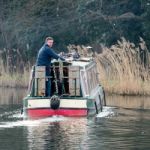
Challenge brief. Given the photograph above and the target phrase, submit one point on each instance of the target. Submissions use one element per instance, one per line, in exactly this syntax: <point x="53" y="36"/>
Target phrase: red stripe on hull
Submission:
<point x="40" y="113"/>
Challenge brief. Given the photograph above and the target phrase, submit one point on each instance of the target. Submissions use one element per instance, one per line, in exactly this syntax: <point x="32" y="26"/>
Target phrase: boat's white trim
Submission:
<point x="37" y="103"/>
<point x="64" y="103"/>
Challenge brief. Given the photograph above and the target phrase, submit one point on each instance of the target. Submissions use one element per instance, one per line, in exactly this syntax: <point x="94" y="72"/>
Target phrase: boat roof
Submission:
<point x="81" y="62"/>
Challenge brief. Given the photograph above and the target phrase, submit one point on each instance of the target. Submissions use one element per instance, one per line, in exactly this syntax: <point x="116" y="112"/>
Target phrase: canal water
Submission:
<point x="115" y="128"/>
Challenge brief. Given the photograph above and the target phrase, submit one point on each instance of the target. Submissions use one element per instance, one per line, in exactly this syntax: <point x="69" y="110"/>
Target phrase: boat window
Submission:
<point x="84" y="83"/>
<point x="88" y="79"/>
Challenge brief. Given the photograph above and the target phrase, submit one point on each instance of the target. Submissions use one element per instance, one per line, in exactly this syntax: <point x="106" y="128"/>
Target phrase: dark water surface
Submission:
<point x="114" y="128"/>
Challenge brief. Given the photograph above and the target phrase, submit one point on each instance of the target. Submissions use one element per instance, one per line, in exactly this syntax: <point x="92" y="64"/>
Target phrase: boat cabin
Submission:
<point x="75" y="78"/>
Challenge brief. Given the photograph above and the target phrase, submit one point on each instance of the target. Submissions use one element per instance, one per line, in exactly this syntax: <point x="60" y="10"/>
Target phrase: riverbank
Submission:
<point x="128" y="102"/>
<point x="18" y="79"/>
<point x="127" y="87"/>
<point x="14" y="81"/>
<point x="14" y="68"/>
<point x="124" y="69"/>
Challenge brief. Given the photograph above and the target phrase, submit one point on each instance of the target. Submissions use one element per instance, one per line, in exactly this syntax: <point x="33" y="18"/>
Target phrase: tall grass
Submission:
<point x="14" y="70"/>
<point x="123" y="68"/>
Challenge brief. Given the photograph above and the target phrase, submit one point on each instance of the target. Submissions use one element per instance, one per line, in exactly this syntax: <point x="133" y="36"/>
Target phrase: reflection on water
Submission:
<point x="11" y="96"/>
<point x="66" y="134"/>
<point x="138" y="102"/>
<point x="114" y="128"/>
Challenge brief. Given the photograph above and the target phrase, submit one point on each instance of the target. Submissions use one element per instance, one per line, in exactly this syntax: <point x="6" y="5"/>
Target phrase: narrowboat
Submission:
<point x="75" y="90"/>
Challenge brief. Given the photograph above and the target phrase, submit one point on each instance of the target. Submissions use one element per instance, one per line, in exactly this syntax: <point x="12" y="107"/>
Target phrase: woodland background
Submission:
<point x="118" y="31"/>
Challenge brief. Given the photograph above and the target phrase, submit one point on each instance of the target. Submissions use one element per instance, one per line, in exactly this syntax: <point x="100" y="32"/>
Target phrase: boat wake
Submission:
<point x="107" y="112"/>
<point x="16" y="120"/>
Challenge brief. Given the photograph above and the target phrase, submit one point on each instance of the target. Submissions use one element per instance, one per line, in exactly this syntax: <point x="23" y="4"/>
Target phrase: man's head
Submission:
<point x="49" y="41"/>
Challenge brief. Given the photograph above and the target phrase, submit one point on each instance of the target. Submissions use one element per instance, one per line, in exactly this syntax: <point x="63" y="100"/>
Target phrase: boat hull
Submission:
<point x="41" y="107"/>
<point x="41" y="113"/>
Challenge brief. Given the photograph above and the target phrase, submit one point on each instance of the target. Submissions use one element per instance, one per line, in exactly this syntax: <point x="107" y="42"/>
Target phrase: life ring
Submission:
<point x="55" y="102"/>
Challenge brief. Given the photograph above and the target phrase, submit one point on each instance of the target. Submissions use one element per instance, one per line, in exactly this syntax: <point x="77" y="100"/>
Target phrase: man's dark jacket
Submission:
<point x="45" y="55"/>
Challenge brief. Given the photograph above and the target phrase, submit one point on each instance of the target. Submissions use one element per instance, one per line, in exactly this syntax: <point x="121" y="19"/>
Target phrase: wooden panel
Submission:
<point x="73" y="93"/>
<point x="41" y="87"/>
<point x="74" y="81"/>
<point x="40" y="72"/>
<point x="40" y="84"/>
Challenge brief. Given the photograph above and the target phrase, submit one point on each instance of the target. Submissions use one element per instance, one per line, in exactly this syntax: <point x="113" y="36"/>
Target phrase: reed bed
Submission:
<point x="16" y="80"/>
<point x="123" y="68"/>
<point x="14" y="70"/>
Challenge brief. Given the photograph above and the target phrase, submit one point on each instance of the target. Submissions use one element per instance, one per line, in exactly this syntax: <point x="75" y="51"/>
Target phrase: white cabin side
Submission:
<point x="88" y="77"/>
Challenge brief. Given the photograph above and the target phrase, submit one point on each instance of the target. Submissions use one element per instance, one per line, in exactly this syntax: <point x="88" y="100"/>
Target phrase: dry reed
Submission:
<point x="13" y="72"/>
<point x="123" y="68"/>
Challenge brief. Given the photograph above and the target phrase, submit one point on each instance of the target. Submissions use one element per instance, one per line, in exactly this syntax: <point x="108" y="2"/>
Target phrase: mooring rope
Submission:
<point x="61" y="71"/>
<point x="61" y="76"/>
<point x="55" y="77"/>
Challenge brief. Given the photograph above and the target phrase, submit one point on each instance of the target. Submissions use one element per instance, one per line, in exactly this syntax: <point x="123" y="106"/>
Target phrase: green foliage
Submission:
<point x="25" y="24"/>
<point x="146" y="22"/>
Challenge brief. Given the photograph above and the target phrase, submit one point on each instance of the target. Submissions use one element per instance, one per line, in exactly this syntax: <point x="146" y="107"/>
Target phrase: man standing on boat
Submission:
<point x="45" y="54"/>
